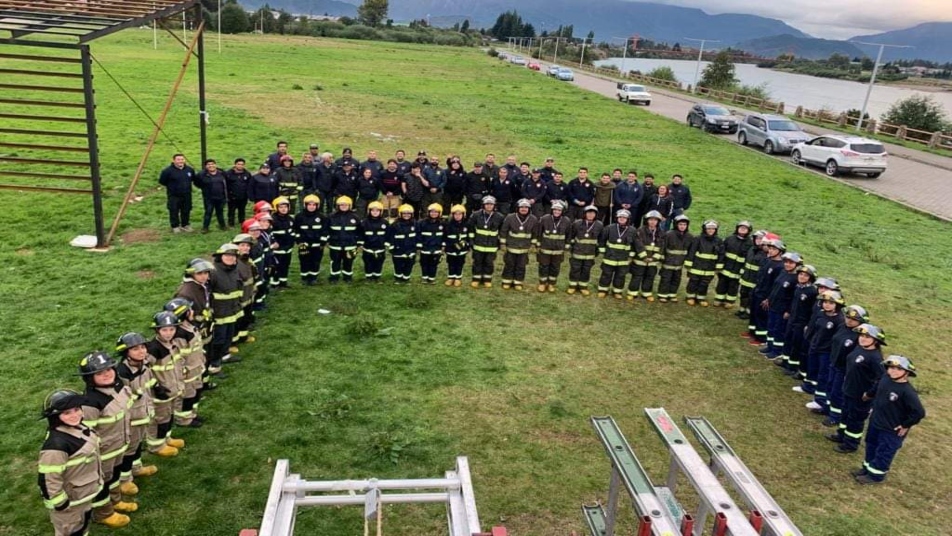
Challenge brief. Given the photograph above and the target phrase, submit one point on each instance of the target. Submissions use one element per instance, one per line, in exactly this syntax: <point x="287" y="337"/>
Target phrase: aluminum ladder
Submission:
<point x="658" y="513"/>
<point x="289" y="491"/>
<point x="724" y="460"/>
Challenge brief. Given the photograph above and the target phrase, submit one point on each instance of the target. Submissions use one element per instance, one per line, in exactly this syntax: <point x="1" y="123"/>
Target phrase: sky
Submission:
<point x="836" y="19"/>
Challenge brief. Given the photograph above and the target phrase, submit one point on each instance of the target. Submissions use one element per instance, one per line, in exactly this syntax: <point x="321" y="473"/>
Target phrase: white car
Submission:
<point x="633" y="94"/>
<point x="565" y="74"/>
<point x="553" y="70"/>
<point x="517" y="60"/>
<point x="842" y="154"/>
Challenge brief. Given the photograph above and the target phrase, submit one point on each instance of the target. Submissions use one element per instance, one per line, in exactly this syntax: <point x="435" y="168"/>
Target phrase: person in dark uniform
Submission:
<point x="748" y="279"/>
<point x="477" y="186"/>
<point x="705" y="258"/>
<point x="263" y="186"/>
<point x="368" y="190"/>
<point x="342" y="240"/>
<point x="456" y="244"/>
<point x="455" y="189"/>
<point x="373" y="241"/>
<point x="289" y="181"/>
<point x="681" y="194"/>
<point x="536" y="191"/>
<point x="227" y="289"/>
<point x="648" y="255"/>
<point x="402" y="241"/>
<point x="307" y="171"/>
<point x="552" y="242"/>
<point x="238" y="179"/>
<point x="429" y="234"/>
<point x="502" y="188"/>
<point x="778" y="304"/>
<point x="274" y="159"/>
<point x="844" y="341"/>
<point x="177" y="180"/>
<point x="515" y="237"/>
<point x="819" y="337"/>
<point x="557" y="190"/>
<point x="616" y="244"/>
<point x="896" y="408"/>
<point x="484" y="226"/>
<point x="628" y="194"/>
<point x="283" y="234"/>
<point x="648" y="189"/>
<point x="770" y="268"/>
<point x="864" y="368"/>
<point x="214" y="186"/>
<point x="583" y="239"/>
<point x="311" y="236"/>
<point x="581" y="194"/>
<point x="796" y="357"/>
<point x="677" y="242"/>
<point x="735" y="255"/>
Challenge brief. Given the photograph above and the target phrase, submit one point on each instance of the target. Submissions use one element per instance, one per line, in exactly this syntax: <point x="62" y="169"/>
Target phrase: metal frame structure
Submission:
<point x="658" y="511"/>
<point x="61" y="27"/>
<point x="289" y="491"/>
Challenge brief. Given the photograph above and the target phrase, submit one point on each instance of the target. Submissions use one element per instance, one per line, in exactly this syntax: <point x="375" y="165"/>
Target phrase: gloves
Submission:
<point x="303" y="248"/>
<point x="161" y="392"/>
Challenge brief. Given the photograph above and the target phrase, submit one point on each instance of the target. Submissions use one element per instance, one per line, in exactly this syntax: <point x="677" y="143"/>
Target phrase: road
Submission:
<point x="919" y="180"/>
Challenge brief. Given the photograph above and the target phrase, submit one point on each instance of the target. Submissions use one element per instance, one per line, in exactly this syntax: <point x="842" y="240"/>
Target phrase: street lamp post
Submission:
<point x="581" y="59"/>
<point x="872" y="78"/>
<point x="700" y="54"/>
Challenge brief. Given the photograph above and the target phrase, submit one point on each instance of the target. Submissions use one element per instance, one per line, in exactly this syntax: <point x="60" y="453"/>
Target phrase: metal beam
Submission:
<point x="31" y="57"/>
<point x="45" y="189"/>
<point x="43" y="147"/>
<point x="202" y="113"/>
<point x="28" y="72"/>
<point x="57" y="89"/>
<point x="93" y="143"/>
<point x="43" y="175"/>
<point x="25" y="102"/>
<point x="18" y="160"/>
<point x="49" y="44"/>
<point x="5" y="130"/>
<point x="41" y="16"/>
<point x="43" y="118"/>
<point x="139" y="21"/>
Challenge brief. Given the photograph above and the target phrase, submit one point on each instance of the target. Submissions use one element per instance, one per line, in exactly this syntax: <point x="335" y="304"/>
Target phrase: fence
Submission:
<point x="933" y="140"/>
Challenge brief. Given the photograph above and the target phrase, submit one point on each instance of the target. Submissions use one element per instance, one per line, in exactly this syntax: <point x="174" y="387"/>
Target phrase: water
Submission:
<point x="794" y="89"/>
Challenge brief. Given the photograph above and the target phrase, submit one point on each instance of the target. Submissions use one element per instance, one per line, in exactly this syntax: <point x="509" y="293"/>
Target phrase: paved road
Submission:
<point x="920" y="180"/>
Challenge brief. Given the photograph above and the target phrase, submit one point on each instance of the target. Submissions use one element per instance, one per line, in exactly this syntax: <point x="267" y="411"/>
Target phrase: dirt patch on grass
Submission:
<point x="139" y="236"/>
<point x="145" y="274"/>
<point x="24" y="252"/>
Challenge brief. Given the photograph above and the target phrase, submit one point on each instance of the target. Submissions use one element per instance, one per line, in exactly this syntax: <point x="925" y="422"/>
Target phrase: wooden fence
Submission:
<point x="933" y="140"/>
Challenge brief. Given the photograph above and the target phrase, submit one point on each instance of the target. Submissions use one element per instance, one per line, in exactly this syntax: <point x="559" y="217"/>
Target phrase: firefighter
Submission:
<point x="796" y="357"/>
<point x="552" y="241"/>
<point x="248" y="271"/>
<point x="515" y="238"/>
<point x="265" y="242"/>
<point x="105" y="410"/>
<point x="844" y="341"/>
<point x="705" y="258"/>
<point x="311" y="235"/>
<point x="227" y="289"/>
<point x="373" y="241"/>
<point x="583" y="239"/>
<point x="69" y="473"/>
<point x="616" y="244"/>
<point x="283" y="235"/>
<point x="484" y="226"/>
<point x="456" y="244"/>
<point x="777" y="305"/>
<point x="677" y="241"/>
<point x="648" y="255"/>
<point x="748" y="278"/>
<point x="135" y="374"/>
<point x="167" y="371"/>
<point x="289" y="182"/>
<point x="257" y="257"/>
<point x="429" y="234"/>
<point x="735" y="255"/>
<point x="895" y="409"/>
<point x="770" y="268"/>
<point x="402" y="241"/>
<point x="342" y="240"/>
<point x="820" y="340"/>
<point x="864" y="367"/>
<point x="192" y="359"/>
<point x="194" y="291"/>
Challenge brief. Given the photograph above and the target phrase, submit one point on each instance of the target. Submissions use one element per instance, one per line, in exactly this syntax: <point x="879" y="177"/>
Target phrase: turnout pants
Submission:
<point x="373" y="264"/>
<point x="483" y="266"/>
<point x="514" y="268"/>
<point x="403" y="267"/>
<point x="429" y="262"/>
<point x="613" y="278"/>
<point x="727" y="289"/>
<point x="796" y="355"/>
<point x="776" y="328"/>
<point x="549" y="267"/>
<point x="73" y="521"/>
<point x="104" y="502"/>
<point x="180" y="210"/>
<point x="342" y="263"/>
<point x="758" y="318"/>
<point x="310" y="257"/>
<point x="881" y="448"/>
<point x="697" y="286"/>
<point x="818" y="377"/>
<point x="580" y="272"/>
<point x="669" y="282"/>
<point x="854" y="417"/>
<point x="745" y="293"/>
<point x="194" y="370"/>
<point x="642" y="280"/>
<point x="282" y="259"/>
<point x="834" y="395"/>
<point x="454" y="265"/>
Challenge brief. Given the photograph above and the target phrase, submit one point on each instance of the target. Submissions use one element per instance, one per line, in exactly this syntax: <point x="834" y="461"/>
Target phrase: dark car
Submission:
<point x="712" y="118"/>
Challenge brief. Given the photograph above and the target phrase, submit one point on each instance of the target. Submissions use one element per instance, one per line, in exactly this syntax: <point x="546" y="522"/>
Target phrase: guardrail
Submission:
<point x="932" y="140"/>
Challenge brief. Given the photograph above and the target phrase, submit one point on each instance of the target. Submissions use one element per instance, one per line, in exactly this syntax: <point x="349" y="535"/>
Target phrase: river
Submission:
<point x="793" y="89"/>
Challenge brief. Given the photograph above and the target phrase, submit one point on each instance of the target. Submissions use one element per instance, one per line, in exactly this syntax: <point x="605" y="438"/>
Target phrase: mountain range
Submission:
<point x="611" y="20"/>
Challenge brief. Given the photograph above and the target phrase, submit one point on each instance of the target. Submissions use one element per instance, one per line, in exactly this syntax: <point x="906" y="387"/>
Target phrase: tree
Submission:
<point x="285" y="20"/>
<point x="663" y="73"/>
<point x="263" y="19"/>
<point x="720" y="73"/>
<point x="373" y="12"/>
<point x="839" y="61"/>
<point x="465" y="26"/>
<point x="676" y="47"/>
<point x="920" y="112"/>
<point x="510" y="24"/>
<point x="234" y="19"/>
<point x="867" y="64"/>
<point x="590" y="36"/>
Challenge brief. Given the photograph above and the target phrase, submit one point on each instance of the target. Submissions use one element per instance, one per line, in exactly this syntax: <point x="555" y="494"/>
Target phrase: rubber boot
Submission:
<point x="630" y="297"/>
<point x="649" y="299"/>
<point x="145" y="470"/>
<point x="129" y="488"/>
<point x="457" y="283"/>
<point x="250" y="339"/>
<point x="474" y="284"/>
<point x="704" y="303"/>
<point x="541" y="287"/>
<point x="571" y="290"/>
<point x="517" y="287"/>
<point x="233" y="350"/>
<point x="166" y="451"/>
<point x="115" y="521"/>
<point x="552" y="288"/>
<point x="488" y="284"/>
<point x="175" y="442"/>
<point x="585" y="292"/>
<point x="691" y="301"/>
<point x="125" y="507"/>
<point x="506" y="286"/>
<point x="448" y="283"/>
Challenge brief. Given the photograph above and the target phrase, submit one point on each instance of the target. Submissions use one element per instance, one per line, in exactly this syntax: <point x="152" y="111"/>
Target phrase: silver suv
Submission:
<point x="775" y="133"/>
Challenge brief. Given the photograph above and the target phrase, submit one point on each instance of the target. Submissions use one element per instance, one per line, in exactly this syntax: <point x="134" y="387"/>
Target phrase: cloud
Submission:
<point x="818" y="18"/>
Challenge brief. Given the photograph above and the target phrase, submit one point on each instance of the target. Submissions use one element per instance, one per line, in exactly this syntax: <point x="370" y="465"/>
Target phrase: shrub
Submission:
<point x="759" y="91"/>
<point x="493" y="53"/>
<point x="663" y="73"/>
<point x="363" y="325"/>
<point x="920" y="112"/>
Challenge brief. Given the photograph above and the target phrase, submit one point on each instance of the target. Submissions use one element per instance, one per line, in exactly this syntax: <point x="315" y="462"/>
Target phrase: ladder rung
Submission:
<point x="43" y="132"/>
<point x="43" y="175"/>
<point x="40" y="73"/>
<point x="42" y="88"/>
<point x="23" y="102"/>
<point x="44" y="147"/>
<point x="16" y="160"/>
<point x="45" y="189"/>
<point x="31" y="57"/>
<point x="44" y="118"/>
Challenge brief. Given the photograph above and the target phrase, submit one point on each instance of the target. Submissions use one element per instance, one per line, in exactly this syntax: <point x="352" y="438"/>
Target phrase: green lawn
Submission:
<point x="507" y="379"/>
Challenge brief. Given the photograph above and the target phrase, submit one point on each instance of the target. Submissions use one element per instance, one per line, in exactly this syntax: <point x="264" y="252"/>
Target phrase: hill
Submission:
<point x="333" y="8"/>
<point x="801" y="47"/>
<point x="932" y="41"/>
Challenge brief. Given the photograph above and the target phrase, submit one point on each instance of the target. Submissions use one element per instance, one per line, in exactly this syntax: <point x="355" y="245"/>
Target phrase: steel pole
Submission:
<point x="581" y="59"/>
<point x="869" y="90"/>
<point x="555" y="58"/>
<point x="202" y="113"/>
<point x="540" y="48"/>
<point x="697" y="70"/>
<point x="93" y="144"/>
<point x="624" y="56"/>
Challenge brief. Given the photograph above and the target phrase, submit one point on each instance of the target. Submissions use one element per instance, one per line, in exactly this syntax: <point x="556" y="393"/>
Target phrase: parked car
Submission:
<point x="553" y="70"/>
<point x="633" y="94"/>
<point x="712" y="118"/>
<point x="534" y="65"/>
<point x="842" y="154"/>
<point x="775" y="133"/>
<point x="517" y="60"/>
<point x="565" y="74"/>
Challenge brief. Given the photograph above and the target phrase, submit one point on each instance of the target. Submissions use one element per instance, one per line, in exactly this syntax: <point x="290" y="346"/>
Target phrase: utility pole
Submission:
<point x="541" y="39"/>
<point x="581" y="59"/>
<point x="872" y="78"/>
<point x="555" y="58"/>
<point x="700" y="54"/>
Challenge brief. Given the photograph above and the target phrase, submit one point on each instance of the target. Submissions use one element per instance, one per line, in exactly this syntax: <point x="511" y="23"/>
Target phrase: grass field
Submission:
<point x="507" y="379"/>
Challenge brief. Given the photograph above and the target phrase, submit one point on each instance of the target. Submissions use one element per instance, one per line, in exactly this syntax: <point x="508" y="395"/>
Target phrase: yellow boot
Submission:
<point x="233" y="350"/>
<point x="704" y="303"/>
<point x="691" y="301"/>
<point x="126" y="507"/>
<point x="166" y="451"/>
<point x="250" y="339"/>
<point x="552" y="288"/>
<point x="129" y="488"/>
<point x="571" y="290"/>
<point x="617" y="295"/>
<point x="145" y="470"/>
<point x="585" y="292"/>
<point x="517" y="286"/>
<point x="505" y="286"/>
<point x="650" y="299"/>
<point x="448" y="283"/>
<point x="541" y="287"/>
<point x="474" y="284"/>
<point x="457" y="283"/>
<point x="488" y="284"/>
<point x="115" y="521"/>
<point x="175" y="442"/>
<point x="602" y="294"/>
